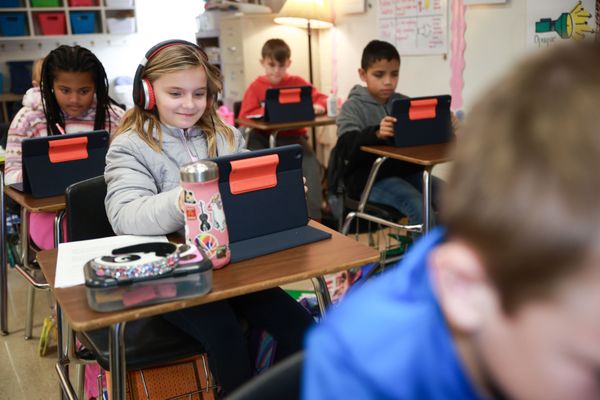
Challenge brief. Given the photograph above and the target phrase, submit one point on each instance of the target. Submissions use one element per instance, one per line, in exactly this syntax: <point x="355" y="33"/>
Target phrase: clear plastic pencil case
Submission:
<point x="145" y="274"/>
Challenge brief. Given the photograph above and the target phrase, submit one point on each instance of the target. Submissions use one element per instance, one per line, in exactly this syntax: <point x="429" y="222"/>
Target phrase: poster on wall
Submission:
<point x="415" y="27"/>
<point x="551" y="21"/>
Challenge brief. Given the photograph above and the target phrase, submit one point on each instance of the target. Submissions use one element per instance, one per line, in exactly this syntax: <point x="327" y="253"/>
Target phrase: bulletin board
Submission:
<point x="415" y="27"/>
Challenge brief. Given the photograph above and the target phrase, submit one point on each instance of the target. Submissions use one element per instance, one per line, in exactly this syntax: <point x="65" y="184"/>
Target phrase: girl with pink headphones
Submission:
<point x="174" y="122"/>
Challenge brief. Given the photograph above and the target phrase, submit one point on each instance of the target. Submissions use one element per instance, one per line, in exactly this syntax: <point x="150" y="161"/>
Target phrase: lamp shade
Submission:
<point x="299" y="12"/>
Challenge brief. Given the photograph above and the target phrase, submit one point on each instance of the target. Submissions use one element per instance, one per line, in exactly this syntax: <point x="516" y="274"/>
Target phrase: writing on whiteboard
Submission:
<point x="415" y="27"/>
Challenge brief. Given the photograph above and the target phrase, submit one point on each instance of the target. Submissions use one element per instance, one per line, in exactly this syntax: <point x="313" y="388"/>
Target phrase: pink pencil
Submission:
<point x="60" y="129"/>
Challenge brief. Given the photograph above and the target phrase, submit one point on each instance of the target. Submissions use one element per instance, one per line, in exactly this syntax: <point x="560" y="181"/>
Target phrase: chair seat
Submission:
<point x="148" y="342"/>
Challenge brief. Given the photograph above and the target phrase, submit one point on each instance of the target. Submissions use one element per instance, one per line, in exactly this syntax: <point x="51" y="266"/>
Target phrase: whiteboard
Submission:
<point x="415" y="27"/>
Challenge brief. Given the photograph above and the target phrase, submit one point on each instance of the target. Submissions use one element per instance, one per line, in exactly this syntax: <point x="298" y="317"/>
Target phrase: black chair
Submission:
<point x="4" y="133"/>
<point x="361" y="215"/>
<point x="281" y="381"/>
<point x="148" y="341"/>
<point x="237" y="107"/>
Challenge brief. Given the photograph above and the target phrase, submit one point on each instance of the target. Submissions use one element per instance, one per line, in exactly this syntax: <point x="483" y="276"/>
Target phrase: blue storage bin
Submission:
<point x="10" y="3"/>
<point x="83" y="22"/>
<point x="20" y="75"/>
<point x="13" y="24"/>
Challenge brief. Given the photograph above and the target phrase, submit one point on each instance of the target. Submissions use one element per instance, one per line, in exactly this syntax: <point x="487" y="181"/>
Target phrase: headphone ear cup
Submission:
<point x="149" y="100"/>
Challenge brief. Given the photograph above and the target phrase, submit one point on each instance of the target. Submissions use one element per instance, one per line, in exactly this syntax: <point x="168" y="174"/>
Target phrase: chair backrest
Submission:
<point x="281" y="381"/>
<point x="86" y="215"/>
<point x="237" y="107"/>
<point x="4" y="133"/>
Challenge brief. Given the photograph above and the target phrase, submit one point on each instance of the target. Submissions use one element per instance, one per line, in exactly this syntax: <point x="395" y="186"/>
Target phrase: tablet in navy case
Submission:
<point x="51" y="163"/>
<point x="422" y="120"/>
<point x="264" y="202"/>
<point x="289" y="104"/>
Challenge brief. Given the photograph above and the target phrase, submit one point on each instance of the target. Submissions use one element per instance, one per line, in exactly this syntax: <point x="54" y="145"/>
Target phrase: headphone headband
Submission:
<point x="143" y="94"/>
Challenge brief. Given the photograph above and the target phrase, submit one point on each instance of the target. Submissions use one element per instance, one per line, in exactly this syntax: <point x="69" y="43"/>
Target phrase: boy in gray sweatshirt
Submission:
<point x="364" y="121"/>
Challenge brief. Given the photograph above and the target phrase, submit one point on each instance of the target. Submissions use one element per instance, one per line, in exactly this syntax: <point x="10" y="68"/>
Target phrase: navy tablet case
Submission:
<point x="51" y="163"/>
<point x="264" y="202"/>
<point x="422" y="120"/>
<point x="289" y="104"/>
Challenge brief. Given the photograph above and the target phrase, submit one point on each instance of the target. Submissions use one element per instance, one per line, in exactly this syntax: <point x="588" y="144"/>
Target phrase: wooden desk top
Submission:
<point x="267" y="126"/>
<point x="10" y="97"/>
<point x="428" y="155"/>
<point x="32" y="204"/>
<point x="299" y="263"/>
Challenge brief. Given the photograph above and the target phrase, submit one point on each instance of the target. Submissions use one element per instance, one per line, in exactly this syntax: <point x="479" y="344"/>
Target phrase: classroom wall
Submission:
<point x="495" y="39"/>
<point x="120" y="54"/>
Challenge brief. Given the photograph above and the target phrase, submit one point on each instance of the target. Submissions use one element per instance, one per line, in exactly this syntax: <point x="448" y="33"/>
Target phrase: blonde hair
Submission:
<point x="524" y="187"/>
<point x="168" y="60"/>
<point x="36" y="72"/>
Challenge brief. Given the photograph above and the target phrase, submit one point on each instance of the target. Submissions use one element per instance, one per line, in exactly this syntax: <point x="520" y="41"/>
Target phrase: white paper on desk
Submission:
<point x="72" y="256"/>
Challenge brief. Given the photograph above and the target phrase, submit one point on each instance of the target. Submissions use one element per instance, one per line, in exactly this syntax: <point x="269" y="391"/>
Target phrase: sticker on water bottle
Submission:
<point x="204" y="224"/>
<point x="209" y="243"/>
<point x="216" y="208"/>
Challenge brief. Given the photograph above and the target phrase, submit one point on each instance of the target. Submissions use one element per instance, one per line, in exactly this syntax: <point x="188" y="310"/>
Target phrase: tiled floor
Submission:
<point x="24" y="374"/>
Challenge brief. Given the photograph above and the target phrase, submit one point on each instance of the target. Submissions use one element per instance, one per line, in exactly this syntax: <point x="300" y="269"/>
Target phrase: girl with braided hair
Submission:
<point x="74" y="92"/>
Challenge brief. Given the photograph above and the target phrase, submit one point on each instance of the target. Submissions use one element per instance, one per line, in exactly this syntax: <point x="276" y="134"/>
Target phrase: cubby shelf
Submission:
<point x="105" y="17"/>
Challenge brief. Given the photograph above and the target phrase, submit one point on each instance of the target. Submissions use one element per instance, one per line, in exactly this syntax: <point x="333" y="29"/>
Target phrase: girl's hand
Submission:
<point x="319" y="110"/>
<point x="305" y="187"/>
<point x="386" y="128"/>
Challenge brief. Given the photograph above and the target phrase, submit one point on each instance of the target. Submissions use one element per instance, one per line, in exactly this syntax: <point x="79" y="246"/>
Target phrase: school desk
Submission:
<point x="28" y="204"/>
<point x="303" y="262"/>
<point x="426" y="156"/>
<point x="322" y="120"/>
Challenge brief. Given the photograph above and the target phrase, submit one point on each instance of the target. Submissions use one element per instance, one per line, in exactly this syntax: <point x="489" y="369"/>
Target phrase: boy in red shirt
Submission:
<point x="276" y="60"/>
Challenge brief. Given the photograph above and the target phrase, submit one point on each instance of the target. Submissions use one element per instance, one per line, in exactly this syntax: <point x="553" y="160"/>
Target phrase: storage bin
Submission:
<point x="83" y="22"/>
<point x="83" y="3"/>
<point x="10" y="3"/>
<point x="52" y="23"/>
<point x="119" y="3"/>
<point x="45" y="3"/>
<point x="121" y="25"/>
<point x="20" y="75"/>
<point x="13" y="24"/>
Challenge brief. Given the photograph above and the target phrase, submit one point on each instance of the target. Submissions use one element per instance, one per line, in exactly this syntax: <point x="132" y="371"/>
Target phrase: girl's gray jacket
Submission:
<point x="143" y="185"/>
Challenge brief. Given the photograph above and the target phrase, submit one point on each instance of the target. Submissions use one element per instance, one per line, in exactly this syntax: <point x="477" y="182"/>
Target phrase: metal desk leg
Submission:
<point x="25" y="262"/>
<point x="273" y="139"/>
<point x="65" y="339"/>
<point x="364" y="197"/>
<point x="62" y="366"/>
<point x="323" y="298"/>
<point x="116" y="348"/>
<point x="3" y="272"/>
<point x="58" y="232"/>
<point x="427" y="199"/>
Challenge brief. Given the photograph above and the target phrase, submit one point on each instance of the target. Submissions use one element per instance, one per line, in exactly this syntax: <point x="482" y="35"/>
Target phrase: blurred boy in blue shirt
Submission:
<point x="503" y="302"/>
